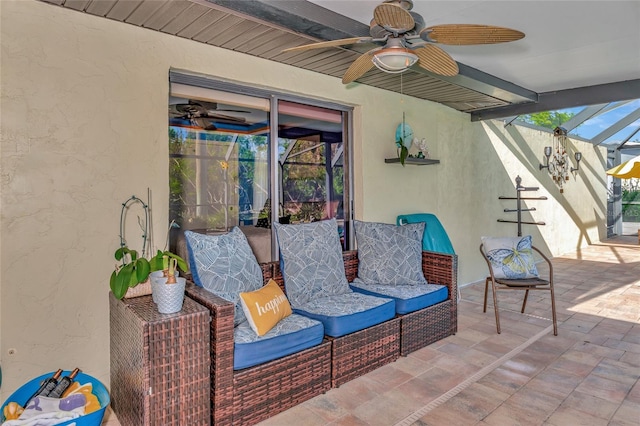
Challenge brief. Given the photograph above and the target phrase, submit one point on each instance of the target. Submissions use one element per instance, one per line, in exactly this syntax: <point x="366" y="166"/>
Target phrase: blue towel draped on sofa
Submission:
<point x="435" y="237"/>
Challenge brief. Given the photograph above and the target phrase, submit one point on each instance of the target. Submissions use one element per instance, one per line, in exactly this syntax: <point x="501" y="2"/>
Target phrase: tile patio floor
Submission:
<point x="587" y="375"/>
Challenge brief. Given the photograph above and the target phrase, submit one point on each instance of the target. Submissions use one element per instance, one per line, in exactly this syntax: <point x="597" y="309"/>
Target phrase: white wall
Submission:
<point x="84" y="126"/>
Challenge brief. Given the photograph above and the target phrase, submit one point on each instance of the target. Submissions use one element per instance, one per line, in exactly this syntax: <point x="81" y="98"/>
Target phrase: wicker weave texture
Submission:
<point x="363" y="351"/>
<point x="254" y="394"/>
<point x="441" y="268"/>
<point x="221" y="349"/>
<point x="248" y="396"/>
<point x="270" y="388"/>
<point x="159" y="363"/>
<point x="421" y="328"/>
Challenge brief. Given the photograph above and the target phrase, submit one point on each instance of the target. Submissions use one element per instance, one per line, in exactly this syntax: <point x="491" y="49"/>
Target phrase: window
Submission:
<point x="221" y="163"/>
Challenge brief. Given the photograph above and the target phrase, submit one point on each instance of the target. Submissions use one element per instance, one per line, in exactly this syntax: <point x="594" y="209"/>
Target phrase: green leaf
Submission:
<point x="134" y="255"/>
<point x="182" y="264"/>
<point x="404" y="153"/>
<point x="121" y="283"/>
<point x="133" y="281"/>
<point x="120" y="253"/>
<point x="112" y="281"/>
<point x="155" y="264"/>
<point x="142" y="270"/>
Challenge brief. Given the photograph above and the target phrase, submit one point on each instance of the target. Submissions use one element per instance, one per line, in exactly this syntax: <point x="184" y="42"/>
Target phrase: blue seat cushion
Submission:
<point x="346" y="313"/>
<point x="408" y="298"/>
<point x="292" y="334"/>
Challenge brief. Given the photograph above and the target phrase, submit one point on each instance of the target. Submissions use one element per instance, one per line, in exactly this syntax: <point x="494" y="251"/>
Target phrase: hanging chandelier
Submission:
<point x="557" y="158"/>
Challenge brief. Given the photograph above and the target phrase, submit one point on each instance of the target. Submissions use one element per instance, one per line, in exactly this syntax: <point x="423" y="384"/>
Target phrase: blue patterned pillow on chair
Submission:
<point x="225" y="265"/>
<point x="311" y="257"/>
<point x="390" y="254"/>
<point x="510" y="257"/>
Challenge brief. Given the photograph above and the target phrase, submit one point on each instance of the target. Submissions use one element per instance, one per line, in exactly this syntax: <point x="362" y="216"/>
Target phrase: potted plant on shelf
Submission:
<point x="168" y="289"/>
<point x="133" y="268"/>
<point x="136" y="270"/>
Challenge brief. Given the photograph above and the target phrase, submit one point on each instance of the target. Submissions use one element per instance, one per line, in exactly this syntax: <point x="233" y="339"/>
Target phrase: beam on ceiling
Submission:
<point x="581" y="96"/>
<point x="299" y="16"/>
<point x="308" y="18"/>
<point x="624" y="142"/>
<point x="583" y="116"/>
<point x="487" y="84"/>
<point x="616" y="127"/>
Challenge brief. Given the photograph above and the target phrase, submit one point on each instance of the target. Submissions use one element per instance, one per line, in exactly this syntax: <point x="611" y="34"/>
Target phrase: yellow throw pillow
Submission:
<point x="265" y="307"/>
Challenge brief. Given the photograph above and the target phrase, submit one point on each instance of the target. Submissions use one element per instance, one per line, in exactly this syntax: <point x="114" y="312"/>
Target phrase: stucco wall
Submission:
<point x="84" y="126"/>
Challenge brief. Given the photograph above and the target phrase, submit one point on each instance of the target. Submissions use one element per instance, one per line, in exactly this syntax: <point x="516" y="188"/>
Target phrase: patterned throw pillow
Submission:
<point x="311" y="256"/>
<point x="390" y="254"/>
<point x="265" y="307"/>
<point x="225" y="265"/>
<point x="510" y="257"/>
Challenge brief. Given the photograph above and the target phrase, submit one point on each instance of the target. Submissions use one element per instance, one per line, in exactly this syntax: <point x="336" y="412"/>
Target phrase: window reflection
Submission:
<point x="219" y="151"/>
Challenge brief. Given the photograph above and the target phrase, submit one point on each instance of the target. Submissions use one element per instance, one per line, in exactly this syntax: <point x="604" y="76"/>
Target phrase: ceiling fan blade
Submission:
<point x="467" y="34"/>
<point x="393" y="18"/>
<point x="189" y="108"/>
<point x="436" y="60"/>
<point x="208" y="107"/>
<point x="224" y="117"/>
<point x="359" y="67"/>
<point x="330" y="43"/>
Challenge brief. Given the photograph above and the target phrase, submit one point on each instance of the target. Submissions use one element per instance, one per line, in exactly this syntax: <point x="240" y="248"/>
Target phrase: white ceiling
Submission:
<point x="567" y="44"/>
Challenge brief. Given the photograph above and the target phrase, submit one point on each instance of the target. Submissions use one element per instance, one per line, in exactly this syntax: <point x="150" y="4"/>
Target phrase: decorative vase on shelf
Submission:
<point x="404" y="139"/>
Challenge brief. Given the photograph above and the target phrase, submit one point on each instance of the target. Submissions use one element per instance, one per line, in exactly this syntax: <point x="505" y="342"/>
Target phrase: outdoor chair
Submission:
<point x="528" y="280"/>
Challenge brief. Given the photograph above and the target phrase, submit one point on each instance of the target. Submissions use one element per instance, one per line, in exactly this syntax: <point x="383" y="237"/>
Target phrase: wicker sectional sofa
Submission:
<point x="253" y="394"/>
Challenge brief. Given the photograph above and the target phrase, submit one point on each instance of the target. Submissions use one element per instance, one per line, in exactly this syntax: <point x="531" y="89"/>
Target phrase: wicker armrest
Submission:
<point x="441" y="268"/>
<point x="221" y="312"/>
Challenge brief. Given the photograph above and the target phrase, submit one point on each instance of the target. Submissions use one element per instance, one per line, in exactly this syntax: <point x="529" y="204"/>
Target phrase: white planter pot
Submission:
<point x="157" y="277"/>
<point x="169" y="297"/>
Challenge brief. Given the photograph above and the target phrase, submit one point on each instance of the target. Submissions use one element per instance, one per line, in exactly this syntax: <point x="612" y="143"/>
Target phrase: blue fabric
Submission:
<point x="346" y="313"/>
<point x="408" y="298"/>
<point x="225" y="265"/>
<point x="292" y="334"/>
<point x="311" y="260"/>
<point x="435" y="238"/>
<point x="390" y="254"/>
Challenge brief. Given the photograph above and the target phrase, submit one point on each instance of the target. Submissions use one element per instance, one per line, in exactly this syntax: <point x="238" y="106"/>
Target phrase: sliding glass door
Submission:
<point x="223" y="170"/>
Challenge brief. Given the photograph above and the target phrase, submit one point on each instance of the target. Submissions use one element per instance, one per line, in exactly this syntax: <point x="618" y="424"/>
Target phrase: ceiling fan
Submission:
<point x="203" y="114"/>
<point x="404" y="41"/>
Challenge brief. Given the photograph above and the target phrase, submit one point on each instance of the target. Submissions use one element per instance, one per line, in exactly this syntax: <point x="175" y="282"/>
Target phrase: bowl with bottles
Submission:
<point x="81" y="383"/>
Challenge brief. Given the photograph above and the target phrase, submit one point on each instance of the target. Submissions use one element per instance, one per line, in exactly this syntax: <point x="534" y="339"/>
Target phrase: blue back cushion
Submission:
<point x="389" y="254"/>
<point x="311" y="259"/>
<point x="225" y="265"/>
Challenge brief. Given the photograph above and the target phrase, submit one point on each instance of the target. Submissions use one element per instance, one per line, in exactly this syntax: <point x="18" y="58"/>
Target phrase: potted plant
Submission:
<point x="134" y="269"/>
<point x="168" y="290"/>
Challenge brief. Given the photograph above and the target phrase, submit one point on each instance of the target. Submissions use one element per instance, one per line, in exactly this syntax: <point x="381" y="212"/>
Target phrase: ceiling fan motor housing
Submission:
<point x="405" y="4"/>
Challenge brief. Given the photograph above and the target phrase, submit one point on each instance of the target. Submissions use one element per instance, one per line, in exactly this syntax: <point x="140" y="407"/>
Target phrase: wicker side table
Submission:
<point x="159" y="363"/>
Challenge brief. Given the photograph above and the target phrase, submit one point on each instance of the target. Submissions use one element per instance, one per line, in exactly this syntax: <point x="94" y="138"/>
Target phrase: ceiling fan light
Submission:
<point x="394" y="60"/>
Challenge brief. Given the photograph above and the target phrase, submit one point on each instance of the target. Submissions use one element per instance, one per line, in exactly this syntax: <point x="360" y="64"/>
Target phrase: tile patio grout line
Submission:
<point x="409" y="420"/>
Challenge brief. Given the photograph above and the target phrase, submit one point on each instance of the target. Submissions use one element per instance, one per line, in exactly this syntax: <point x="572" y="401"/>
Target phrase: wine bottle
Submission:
<point x="63" y="384"/>
<point x="47" y="386"/>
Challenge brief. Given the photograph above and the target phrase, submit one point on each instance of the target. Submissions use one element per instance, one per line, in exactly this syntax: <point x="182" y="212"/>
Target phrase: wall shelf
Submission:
<point x="415" y="161"/>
